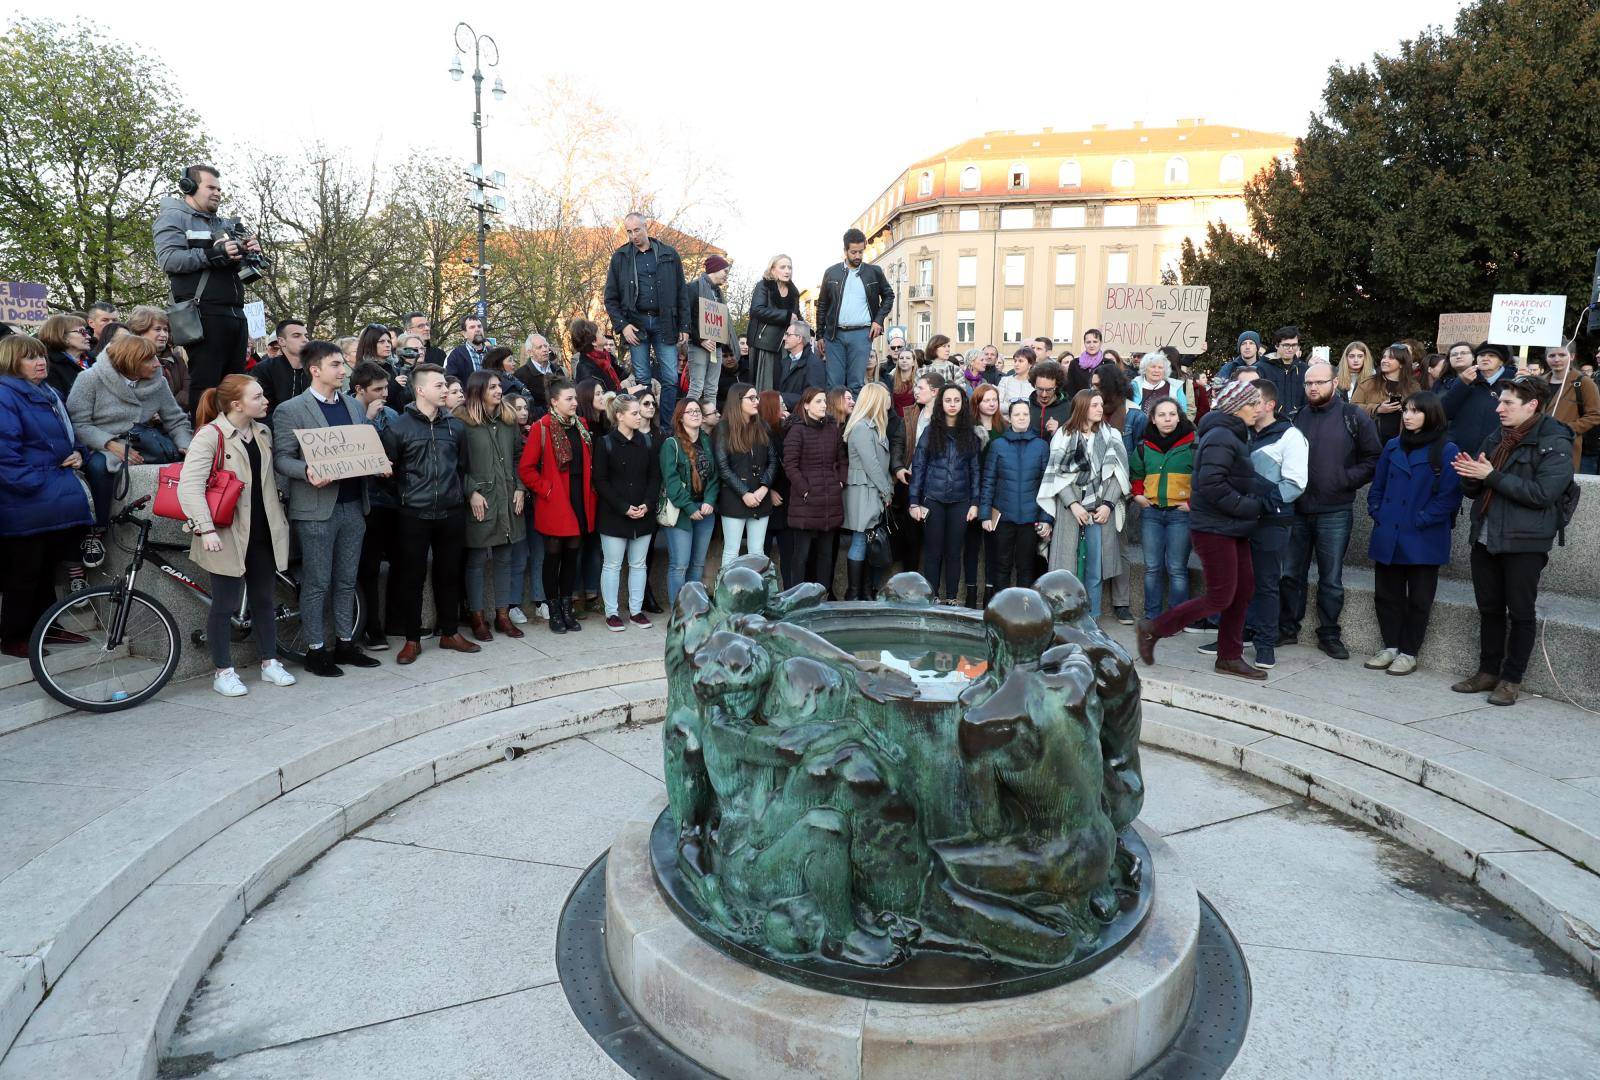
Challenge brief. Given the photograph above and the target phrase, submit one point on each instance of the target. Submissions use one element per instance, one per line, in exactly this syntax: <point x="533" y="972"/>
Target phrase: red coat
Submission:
<point x="552" y="488"/>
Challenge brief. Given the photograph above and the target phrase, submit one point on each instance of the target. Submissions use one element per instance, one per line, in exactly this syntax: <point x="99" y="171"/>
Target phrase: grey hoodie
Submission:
<point x="185" y="242"/>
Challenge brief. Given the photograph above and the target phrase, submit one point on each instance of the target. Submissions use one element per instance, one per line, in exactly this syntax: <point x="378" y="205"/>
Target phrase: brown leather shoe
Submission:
<point x="408" y="652"/>
<point x="456" y="643"/>
<point x="1145" y="631"/>
<point x="1241" y="668"/>
<point x="480" y="629"/>
<point x="1477" y="684"/>
<point x="1506" y="693"/>
<point x="504" y="625"/>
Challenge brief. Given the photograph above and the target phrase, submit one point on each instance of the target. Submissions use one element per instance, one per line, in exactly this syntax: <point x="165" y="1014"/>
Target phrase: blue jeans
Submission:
<point x="848" y="351"/>
<point x="1269" y="546"/>
<point x="655" y="336"/>
<point x="1590" y="464"/>
<point x="1091" y="567"/>
<point x="618" y="548"/>
<point x="751" y="532"/>
<point x="1166" y="551"/>
<point x="1327" y="535"/>
<point x="527" y="565"/>
<point x="686" y="554"/>
<point x="858" y="547"/>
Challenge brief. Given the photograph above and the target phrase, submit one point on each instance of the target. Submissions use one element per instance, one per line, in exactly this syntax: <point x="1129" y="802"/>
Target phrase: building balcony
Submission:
<point x="921" y="292"/>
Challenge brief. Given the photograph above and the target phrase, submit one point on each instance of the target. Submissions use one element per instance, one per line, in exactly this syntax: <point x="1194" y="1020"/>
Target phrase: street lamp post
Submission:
<point x="483" y="203"/>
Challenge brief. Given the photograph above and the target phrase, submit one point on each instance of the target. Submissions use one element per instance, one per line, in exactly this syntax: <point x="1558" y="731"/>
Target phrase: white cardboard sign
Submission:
<point x="1521" y="319"/>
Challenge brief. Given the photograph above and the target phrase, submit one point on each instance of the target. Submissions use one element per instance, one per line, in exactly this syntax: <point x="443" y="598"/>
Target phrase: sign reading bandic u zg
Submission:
<point x="343" y="451"/>
<point x="23" y="304"/>
<point x="1141" y="318"/>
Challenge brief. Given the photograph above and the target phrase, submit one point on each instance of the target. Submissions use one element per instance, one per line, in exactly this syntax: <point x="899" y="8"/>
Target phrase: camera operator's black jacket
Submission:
<point x="186" y="246"/>
<point x="429" y="459"/>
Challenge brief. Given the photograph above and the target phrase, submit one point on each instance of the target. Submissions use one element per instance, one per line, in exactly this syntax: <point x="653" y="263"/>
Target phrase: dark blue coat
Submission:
<point x="1412" y="509"/>
<point x="36" y="494"/>
<point x="952" y="477"/>
<point x="1011" y="476"/>
<point x="1223" y="497"/>
<point x="1470" y="407"/>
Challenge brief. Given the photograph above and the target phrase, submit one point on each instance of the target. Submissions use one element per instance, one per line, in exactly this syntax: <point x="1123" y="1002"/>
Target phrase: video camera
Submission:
<point x="254" y="264"/>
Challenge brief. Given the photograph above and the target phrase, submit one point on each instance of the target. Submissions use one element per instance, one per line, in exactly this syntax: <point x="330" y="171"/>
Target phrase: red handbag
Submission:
<point x="223" y="488"/>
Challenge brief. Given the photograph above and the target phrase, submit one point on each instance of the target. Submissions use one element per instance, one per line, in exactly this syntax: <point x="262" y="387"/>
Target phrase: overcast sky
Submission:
<point x="808" y="110"/>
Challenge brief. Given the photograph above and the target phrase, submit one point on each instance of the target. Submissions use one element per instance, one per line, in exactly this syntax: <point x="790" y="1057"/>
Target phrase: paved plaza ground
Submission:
<point x="344" y="879"/>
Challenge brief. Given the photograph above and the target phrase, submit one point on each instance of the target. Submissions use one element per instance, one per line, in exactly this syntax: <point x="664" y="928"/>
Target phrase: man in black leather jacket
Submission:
<point x="647" y="300"/>
<point x="427" y="447"/>
<point x="853" y="304"/>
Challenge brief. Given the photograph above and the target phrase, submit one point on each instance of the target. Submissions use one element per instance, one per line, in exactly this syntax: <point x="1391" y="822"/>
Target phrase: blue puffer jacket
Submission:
<point x="1411" y="507"/>
<point x="36" y="494"/>
<point x="952" y="477"/>
<point x="1011" y="477"/>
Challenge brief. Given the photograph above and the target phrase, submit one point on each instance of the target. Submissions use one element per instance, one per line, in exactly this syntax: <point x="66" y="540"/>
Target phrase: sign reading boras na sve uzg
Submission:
<point x="1521" y="319"/>
<point x="23" y="304"/>
<point x="1140" y="318"/>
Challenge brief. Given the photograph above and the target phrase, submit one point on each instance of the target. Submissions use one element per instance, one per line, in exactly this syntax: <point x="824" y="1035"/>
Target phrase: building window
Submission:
<point x="1018" y="177"/>
<point x="1177" y="171"/>
<point x="1122" y="173"/>
<point x="924" y="327"/>
<point x="1016" y="217"/>
<point x="1175" y="212"/>
<point x="969" y="178"/>
<point x="1121" y="215"/>
<point x="1117" y="268"/>
<point x="1016" y="269"/>
<point x="925" y="273"/>
<point x="1066" y="268"/>
<point x="925" y="184"/>
<point x="1068" y="217"/>
<point x="967" y="271"/>
<point x="966" y="327"/>
<point x="1071" y="174"/>
<point x="1232" y="170"/>
<point x="967" y="220"/>
<point x="1011" y="326"/>
<point x="927" y="223"/>
<point x="1061" y="324"/>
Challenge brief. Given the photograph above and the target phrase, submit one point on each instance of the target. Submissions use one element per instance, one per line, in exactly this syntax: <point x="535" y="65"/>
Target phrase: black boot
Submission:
<point x="558" y="623"/>
<point x="854" y="569"/>
<point x="650" y="603"/>
<point x="568" y="617"/>
<point x="319" y="661"/>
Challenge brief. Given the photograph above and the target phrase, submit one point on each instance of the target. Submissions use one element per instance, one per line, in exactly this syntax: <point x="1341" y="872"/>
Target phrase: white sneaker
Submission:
<point x="1383" y="659"/>
<point x="516" y="616"/>
<point x="272" y="672"/>
<point x="544" y="611"/>
<point x="227" y="684"/>
<point x="1404" y="664"/>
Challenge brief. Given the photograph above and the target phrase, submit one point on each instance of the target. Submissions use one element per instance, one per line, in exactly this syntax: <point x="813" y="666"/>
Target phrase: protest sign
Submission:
<point x="255" y="318"/>
<point x="23" y="304"/>
<point x="343" y="451"/>
<point x="714" y="325"/>
<point x="1146" y="317"/>
<point x="1470" y="326"/>
<point x="1520" y="319"/>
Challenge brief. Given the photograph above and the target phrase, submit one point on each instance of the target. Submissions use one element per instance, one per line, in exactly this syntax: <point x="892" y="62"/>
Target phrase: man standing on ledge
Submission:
<point x="853" y="304"/>
<point x="198" y="257"/>
<point x="647" y="300"/>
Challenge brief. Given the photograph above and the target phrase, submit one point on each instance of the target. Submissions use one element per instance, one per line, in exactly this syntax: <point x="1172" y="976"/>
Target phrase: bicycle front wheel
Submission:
<point x="108" y="670"/>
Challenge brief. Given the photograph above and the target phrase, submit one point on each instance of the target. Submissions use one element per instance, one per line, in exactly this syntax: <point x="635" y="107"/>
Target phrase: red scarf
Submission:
<point x="602" y="360"/>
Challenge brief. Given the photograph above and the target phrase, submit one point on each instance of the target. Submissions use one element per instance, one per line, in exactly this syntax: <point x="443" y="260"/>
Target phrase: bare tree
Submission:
<point x="433" y="272"/>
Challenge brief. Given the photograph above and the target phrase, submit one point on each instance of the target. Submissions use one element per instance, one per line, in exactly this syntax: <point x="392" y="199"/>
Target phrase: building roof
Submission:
<point x="1100" y="140"/>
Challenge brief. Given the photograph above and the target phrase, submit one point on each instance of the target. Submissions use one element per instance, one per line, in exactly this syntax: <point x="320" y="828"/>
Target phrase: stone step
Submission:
<point x="23" y="705"/>
<point x="1559" y="898"/>
<point x="118" y="1003"/>
<point x="15" y="671"/>
<point x="55" y="904"/>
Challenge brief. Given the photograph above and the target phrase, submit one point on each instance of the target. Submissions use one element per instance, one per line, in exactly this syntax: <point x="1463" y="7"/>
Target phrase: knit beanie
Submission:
<point x="1235" y="396"/>
<point x="715" y="263"/>
<point x="1249" y="335"/>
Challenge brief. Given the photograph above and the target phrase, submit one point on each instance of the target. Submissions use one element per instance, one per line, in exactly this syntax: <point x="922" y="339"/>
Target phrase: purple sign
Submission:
<point x="23" y="303"/>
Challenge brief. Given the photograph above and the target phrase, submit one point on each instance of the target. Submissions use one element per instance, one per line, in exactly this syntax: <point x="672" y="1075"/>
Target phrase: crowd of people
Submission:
<point x="540" y="477"/>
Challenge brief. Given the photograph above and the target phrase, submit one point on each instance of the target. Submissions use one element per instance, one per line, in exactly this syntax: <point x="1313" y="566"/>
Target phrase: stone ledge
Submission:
<point x="54" y="905"/>
<point x="119" y="1001"/>
<point x="742" y="1023"/>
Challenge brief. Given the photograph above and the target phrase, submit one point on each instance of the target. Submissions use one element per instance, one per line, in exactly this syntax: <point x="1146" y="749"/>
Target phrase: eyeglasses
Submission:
<point x="752" y="397"/>
<point x="646" y="403"/>
<point x="79" y="330"/>
<point x="1319" y="382"/>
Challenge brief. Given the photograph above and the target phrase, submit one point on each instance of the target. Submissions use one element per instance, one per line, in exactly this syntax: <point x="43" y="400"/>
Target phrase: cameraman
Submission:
<point x="190" y="240"/>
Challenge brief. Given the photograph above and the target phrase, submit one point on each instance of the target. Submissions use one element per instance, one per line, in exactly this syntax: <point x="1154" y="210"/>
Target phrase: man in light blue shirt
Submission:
<point x="853" y="304"/>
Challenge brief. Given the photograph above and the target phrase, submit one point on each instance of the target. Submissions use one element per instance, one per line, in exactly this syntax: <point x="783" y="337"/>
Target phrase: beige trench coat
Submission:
<point x="229" y="562"/>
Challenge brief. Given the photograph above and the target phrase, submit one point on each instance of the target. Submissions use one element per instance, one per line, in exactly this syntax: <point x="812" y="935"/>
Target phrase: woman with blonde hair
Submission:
<point x="1353" y="368"/>
<point x="773" y="304"/>
<point x="244" y="556"/>
<point x="868" y="486"/>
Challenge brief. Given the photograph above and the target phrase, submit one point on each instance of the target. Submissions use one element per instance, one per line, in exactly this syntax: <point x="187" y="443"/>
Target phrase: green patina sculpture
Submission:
<point x="826" y="806"/>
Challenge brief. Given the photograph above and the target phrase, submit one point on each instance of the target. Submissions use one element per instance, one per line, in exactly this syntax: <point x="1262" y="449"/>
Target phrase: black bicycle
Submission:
<point x="132" y="643"/>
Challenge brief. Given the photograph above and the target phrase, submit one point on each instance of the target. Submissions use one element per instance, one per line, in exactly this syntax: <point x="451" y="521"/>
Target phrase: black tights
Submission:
<point x="562" y="555"/>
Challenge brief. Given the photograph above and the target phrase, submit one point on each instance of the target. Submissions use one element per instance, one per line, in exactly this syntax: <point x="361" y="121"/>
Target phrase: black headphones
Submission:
<point x="186" y="182"/>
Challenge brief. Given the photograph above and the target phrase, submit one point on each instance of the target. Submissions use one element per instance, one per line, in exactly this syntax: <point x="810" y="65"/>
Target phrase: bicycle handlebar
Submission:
<point x="129" y="510"/>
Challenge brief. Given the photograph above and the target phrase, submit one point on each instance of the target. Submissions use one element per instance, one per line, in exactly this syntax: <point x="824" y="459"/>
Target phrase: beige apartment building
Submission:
<point x="1010" y="236"/>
